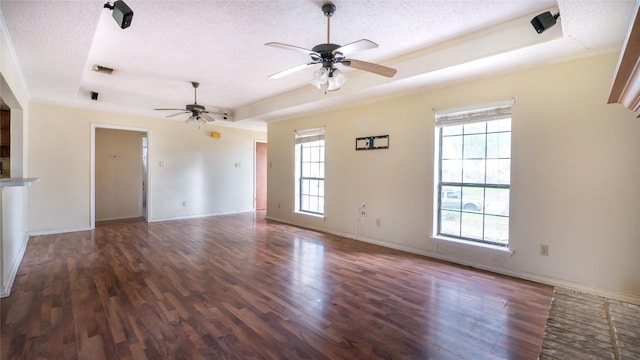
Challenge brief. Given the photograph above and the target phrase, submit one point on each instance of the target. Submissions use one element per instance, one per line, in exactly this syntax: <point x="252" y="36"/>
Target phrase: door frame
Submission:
<point x="95" y="126"/>
<point x="255" y="172"/>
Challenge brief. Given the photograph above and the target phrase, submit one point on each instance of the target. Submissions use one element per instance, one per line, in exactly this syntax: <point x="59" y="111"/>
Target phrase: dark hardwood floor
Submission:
<point x="241" y="287"/>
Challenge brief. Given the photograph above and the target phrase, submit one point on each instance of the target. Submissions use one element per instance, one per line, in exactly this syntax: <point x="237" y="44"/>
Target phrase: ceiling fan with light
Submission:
<point x="328" y="77"/>
<point x="199" y="114"/>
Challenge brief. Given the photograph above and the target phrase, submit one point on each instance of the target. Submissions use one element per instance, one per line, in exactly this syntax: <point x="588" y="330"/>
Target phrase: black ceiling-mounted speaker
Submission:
<point x="544" y="21"/>
<point x="122" y="13"/>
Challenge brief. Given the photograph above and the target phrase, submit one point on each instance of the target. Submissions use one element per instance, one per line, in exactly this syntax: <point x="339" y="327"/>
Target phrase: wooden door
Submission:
<point x="261" y="176"/>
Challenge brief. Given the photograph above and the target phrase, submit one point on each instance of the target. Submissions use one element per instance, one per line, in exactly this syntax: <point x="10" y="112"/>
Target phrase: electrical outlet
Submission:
<point x="544" y="250"/>
<point x="363" y="210"/>
<point x="184" y="204"/>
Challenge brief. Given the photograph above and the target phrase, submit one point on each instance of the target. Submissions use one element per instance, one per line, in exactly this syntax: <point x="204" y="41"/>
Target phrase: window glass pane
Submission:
<point x="321" y="188"/>
<point x="452" y="130"/>
<point x="499" y="125"/>
<point x="315" y="153"/>
<point x="473" y="171"/>
<point x="474" y="146"/>
<point x="451" y="198"/>
<point x="475" y="128"/>
<point x="304" y="202"/>
<point x="313" y="203"/>
<point x="306" y="169"/>
<point x="321" y="205"/>
<point x="452" y="147"/>
<point x="305" y="187"/>
<point x="498" y="171"/>
<point x="472" y="199"/>
<point x="450" y="222"/>
<point x="498" y="145"/>
<point x="313" y="187"/>
<point x="497" y="202"/>
<point x="471" y="226"/>
<point x="451" y="170"/>
<point x="496" y="229"/>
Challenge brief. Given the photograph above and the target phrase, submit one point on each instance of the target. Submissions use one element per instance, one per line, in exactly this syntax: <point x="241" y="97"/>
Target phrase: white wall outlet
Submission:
<point x="544" y="249"/>
<point x="363" y="210"/>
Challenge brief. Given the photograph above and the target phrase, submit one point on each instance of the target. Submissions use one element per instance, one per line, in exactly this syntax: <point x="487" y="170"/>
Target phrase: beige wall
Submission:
<point x="575" y="176"/>
<point x="197" y="170"/>
<point x="118" y="166"/>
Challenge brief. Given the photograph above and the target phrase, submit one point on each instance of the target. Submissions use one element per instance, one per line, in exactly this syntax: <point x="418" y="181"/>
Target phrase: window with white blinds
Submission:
<point x="473" y="173"/>
<point x="310" y="171"/>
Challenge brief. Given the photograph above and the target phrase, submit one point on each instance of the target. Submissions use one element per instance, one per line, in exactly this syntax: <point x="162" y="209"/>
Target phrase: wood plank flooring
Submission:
<point x="241" y="287"/>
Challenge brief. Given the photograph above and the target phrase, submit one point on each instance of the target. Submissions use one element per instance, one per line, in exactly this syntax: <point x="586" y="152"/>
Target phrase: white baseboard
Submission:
<point x="59" y="231"/>
<point x="6" y="290"/>
<point x="186" y="217"/>
<point x="633" y="299"/>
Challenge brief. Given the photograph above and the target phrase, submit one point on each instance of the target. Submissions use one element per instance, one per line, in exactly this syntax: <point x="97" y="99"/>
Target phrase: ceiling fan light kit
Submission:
<point x="328" y="77"/>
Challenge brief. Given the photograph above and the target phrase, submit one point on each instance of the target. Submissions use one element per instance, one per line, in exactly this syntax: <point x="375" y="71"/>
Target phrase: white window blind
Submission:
<point x="474" y="114"/>
<point x="309" y="135"/>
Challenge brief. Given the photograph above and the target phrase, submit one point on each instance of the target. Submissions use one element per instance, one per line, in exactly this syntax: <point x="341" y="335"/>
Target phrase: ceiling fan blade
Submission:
<point x="362" y="44"/>
<point x="207" y="117"/>
<point x="221" y="115"/>
<point x="370" y="67"/>
<point x="291" y="47"/>
<point x="191" y="120"/>
<point x="291" y="70"/>
<point x="176" y="114"/>
<point x="170" y="109"/>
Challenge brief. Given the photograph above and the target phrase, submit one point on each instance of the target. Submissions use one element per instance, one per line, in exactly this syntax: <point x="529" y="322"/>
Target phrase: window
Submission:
<point x="310" y="171"/>
<point x="473" y="173"/>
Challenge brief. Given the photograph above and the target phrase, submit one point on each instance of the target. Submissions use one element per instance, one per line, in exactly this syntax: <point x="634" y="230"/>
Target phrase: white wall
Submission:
<point x="575" y="176"/>
<point x="118" y="166"/>
<point x="13" y="219"/>
<point x="198" y="169"/>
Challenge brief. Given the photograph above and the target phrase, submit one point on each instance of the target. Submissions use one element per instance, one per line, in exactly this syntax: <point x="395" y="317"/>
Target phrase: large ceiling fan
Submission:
<point x="328" y="54"/>
<point x="199" y="115"/>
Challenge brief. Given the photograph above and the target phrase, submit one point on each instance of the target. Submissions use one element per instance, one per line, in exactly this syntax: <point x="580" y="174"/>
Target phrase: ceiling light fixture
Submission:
<point x="328" y="78"/>
<point x="122" y="13"/>
<point x="544" y="21"/>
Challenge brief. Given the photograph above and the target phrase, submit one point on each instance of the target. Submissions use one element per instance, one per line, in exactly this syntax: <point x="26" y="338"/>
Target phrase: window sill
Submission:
<point x="309" y="214"/>
<point x="502" y="250"/>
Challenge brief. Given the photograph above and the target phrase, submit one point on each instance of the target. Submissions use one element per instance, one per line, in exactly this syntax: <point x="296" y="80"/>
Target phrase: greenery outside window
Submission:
<point x="473" y="171"/>
<point x="310" y="171"/>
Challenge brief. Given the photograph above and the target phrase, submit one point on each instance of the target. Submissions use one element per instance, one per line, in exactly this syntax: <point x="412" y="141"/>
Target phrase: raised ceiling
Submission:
<point x="221" y="45"/>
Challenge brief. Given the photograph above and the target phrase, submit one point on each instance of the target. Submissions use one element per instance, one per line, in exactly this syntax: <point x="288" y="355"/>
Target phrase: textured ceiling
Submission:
<point x="221" y="45"/>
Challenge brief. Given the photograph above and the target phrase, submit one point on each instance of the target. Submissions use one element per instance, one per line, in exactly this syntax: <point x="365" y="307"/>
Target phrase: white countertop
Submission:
<point x="17" y="181"/>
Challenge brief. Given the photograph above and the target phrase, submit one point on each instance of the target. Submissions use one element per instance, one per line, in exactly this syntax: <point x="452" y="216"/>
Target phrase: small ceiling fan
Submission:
<point x="199" y="115"/>
<point x="328" y="54"/>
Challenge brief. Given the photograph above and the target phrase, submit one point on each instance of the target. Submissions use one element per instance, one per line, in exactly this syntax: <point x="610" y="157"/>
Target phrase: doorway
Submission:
<point x="261" y="176"/>
<point x="120" y="188"/>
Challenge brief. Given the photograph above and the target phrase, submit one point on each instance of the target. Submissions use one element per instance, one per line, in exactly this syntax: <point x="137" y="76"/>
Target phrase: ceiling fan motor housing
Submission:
<point x="326" y="54"/>
<point x="195" y="107"/>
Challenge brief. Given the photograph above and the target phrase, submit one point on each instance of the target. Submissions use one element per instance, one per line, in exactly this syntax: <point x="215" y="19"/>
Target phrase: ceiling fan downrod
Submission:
<point x="328" y="9"/>
<point x="195" y="91"/>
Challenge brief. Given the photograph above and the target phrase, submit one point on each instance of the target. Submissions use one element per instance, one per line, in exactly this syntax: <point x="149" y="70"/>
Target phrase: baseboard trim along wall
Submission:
<point x="517" y="274"/>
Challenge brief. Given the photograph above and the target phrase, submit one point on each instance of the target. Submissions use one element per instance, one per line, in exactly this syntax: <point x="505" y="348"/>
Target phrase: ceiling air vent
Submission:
<point x="102" y="69"/>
